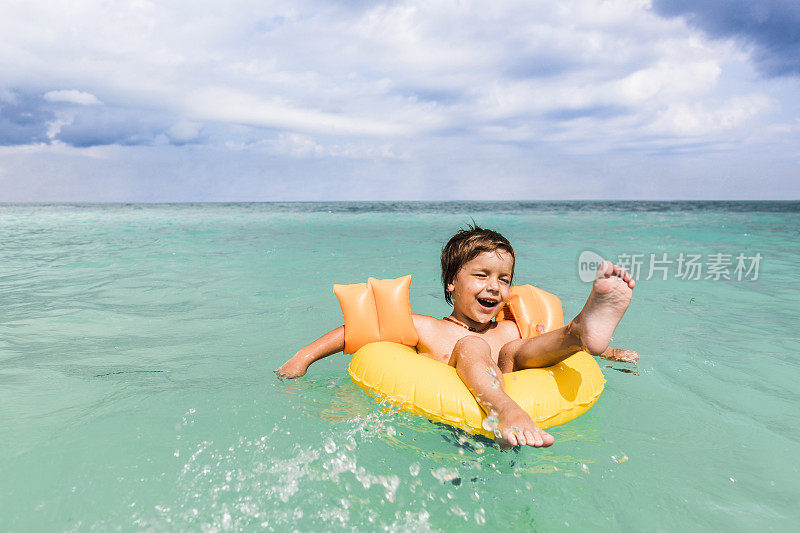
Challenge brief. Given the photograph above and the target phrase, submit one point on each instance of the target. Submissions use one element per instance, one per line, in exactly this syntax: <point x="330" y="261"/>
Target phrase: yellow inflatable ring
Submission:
<point x="417" y="384"/>
<point x="379" y="332"/>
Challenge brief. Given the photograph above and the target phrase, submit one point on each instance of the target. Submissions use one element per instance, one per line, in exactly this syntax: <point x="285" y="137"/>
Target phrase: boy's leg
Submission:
<point x="591" y="330"/>
<point x="547" y="349"/>
<point x="472" y="358"/>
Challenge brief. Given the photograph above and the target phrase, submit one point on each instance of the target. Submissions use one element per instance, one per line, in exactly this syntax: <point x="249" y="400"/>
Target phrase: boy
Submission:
<point x="477" y="270"/>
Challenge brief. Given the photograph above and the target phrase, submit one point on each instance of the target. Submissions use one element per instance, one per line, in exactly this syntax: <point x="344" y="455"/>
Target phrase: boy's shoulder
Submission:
<point x="428" y="326"/>
<point x="427" y="322"/>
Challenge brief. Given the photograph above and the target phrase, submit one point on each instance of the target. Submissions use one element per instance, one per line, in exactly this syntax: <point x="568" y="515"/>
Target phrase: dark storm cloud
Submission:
<point x="771" y="26"/>
<point x="95" y="127"/>
<point x="23" y="120"/>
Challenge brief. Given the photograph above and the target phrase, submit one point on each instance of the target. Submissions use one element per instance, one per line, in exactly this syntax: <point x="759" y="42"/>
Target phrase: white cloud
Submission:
<point x="184" y="131"/>
<point x="59" y="149"/>
<point x="696" y="120"/>
<point x="669" y="79"/>
<point x="233" y="106"/>
<point x="54" y="127"/>
<point x="297" y="145"/>
<point x="72" y="96"/>
<point x="7" y="96"/>
<point x="404" y="83"/>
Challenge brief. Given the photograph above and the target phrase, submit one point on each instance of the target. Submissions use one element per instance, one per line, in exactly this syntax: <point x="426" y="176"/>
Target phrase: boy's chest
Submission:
<point x="439" y="344"/>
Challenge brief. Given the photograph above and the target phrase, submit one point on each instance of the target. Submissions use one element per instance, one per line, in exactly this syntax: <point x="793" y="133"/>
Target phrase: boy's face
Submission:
<point x="481" y="287"/>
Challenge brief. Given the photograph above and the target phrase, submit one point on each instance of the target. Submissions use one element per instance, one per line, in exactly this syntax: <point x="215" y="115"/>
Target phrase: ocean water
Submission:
<point x="137" y="344"/>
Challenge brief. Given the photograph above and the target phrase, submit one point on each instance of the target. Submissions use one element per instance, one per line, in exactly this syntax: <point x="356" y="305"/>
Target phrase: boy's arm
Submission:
<point x="330" y="343"/>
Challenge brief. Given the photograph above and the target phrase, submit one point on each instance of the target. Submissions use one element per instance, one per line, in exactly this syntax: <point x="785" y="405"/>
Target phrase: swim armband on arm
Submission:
<point x="534" y="310"/>
<point x="378" y="310"/>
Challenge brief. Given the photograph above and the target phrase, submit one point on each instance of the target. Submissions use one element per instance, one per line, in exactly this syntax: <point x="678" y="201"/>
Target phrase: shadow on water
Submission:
<point x="625" y="370"/>
<point x="130" y="372"/>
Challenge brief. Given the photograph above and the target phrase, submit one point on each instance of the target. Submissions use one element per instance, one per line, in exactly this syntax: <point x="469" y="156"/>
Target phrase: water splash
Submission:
<point x="491" y="422"/>
<point x="445" y="474"/>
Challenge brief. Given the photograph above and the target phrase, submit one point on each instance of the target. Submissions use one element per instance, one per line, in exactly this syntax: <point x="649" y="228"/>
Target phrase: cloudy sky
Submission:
<point x="351" y="100"/>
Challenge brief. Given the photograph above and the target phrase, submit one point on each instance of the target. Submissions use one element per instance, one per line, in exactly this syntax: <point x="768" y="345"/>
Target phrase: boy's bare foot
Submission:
<point x="291" y="369"/>
<point x="517" y="428"/>
<point x="610" y="297"/>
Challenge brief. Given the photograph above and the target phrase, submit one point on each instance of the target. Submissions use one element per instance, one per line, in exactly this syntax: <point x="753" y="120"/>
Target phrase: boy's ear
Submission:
<point x="451" y="287"/>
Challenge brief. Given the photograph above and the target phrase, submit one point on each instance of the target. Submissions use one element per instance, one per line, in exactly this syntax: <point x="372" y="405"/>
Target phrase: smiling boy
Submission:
<point x="477" y="271"/>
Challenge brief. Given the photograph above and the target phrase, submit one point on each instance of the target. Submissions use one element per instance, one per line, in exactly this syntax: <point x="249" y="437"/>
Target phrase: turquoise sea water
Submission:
<point x="137" y="344"/>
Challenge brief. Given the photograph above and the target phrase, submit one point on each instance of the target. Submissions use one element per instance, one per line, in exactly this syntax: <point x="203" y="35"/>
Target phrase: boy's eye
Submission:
<point x="480" y="275"/>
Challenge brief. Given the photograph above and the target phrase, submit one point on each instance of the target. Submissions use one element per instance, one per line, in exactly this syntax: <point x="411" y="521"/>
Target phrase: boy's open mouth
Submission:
<point x="487" y="303"/>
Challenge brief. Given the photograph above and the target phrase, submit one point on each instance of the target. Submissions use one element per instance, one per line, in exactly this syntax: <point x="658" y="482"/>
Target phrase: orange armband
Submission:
<point x="378" y="310"/>
<point x="534" y="310"/>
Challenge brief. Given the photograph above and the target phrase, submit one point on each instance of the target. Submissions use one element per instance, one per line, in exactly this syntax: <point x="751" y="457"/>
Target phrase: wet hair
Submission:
<point x="466" y="245"/>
